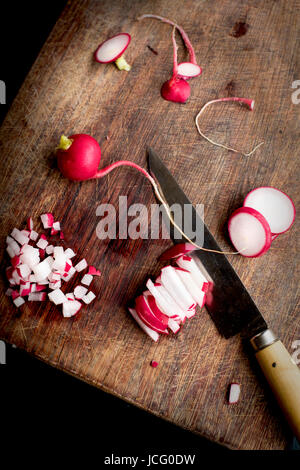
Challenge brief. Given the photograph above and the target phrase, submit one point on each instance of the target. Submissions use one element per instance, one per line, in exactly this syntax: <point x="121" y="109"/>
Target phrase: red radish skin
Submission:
<point x="275" y="205"/>
<point x="146" y="315"/>
<point x="177" y="250"/>
<point x="112" y="50"/>
<point x="261" y="230"/>
<point x="153" y="334"/>
<point x="248" y="102"/>
<point x="156" y="311"/>
<point x="154" y="364"/>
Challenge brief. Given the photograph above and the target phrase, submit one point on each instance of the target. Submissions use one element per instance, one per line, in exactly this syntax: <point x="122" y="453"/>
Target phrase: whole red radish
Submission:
<point x="78" y="156"/>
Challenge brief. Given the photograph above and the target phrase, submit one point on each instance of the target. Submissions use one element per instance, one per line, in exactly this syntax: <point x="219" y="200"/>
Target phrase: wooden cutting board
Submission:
<point x="246" y="49"/>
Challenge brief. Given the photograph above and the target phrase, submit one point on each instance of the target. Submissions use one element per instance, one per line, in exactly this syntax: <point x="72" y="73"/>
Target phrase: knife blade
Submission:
<point x="231" y="307"/>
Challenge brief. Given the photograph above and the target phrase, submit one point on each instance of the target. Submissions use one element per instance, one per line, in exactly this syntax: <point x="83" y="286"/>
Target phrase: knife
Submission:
<point x="231" y="307"/>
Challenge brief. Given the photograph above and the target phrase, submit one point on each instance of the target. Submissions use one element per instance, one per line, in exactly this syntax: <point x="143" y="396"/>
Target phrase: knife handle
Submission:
<point x="283" y="376"/>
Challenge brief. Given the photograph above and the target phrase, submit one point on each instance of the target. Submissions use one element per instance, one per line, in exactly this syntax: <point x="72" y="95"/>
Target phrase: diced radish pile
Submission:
<point x="266" y="213"/>
<point x="173" y="297"/>
<point x="37" y="272"/>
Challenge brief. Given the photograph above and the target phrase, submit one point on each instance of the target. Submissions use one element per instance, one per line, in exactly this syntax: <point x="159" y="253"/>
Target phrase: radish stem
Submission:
<point x="122" y="64"/>
<point x="249" y="103"/>
<point x="180" y="29"/>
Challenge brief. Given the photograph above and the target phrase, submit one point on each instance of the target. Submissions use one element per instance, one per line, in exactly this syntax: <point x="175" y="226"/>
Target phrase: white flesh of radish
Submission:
<point x="89" y="297"/>
<point x="247" y="234"/>
<point x="172" y="282"/>
<point x="80" y="292"/>
<point x="81" y="265"/>
<point x="274" y="205"/>
<point x="87" y="279"/>
<point x="70" y="308"/>
<point x="69" y="253"/>
<point x="164" y="301"/>
<point x="33" y="235"/>
<point x="194" y="289"/>
<point x="18" y="301"/>
<point x="153" y="334"/>
<point x="234" y="393"/>
<point x="57" y="296"/>
<point x="190" y="265"/>
<point x="173" y="325"/>
<point x="188" y="70"/>
<point x="42" y="243"/>
<point x="111" y="48"/>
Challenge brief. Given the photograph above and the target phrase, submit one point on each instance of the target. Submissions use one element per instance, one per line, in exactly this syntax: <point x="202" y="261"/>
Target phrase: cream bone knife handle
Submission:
<point x="282" y="373"/>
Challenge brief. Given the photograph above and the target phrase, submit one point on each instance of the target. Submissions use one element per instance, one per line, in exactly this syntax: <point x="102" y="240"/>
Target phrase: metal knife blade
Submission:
<point x="228" y="303"/>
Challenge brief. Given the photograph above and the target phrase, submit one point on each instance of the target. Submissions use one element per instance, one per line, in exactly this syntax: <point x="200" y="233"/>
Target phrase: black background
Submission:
<point x="42" y="409"/>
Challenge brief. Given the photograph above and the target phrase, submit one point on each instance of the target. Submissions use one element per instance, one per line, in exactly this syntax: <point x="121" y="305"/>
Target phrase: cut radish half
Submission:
<point x="112" y="50"/>
<point x="277" y="207"/>
<point x="177" y="250"/>
<point x="153" y="334"/>
<point x="234" y="393"/>
<point x="249" y="232"/>
<point x="188" y="70"/>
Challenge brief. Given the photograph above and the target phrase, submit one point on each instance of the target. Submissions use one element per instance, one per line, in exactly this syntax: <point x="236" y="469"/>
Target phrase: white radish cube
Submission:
<point x="234" y="393"/>
<point x="16" y="276"/>
<point x="47" y="220"/>
<point x="33" y="287"/>
<point x="53" y="277"/>
<point x="41" y="270"/>
<point x="81" y="265"/>
<point x="18" y="301"/>
<point x="19" y="237"/>
<point x="50" y="249"/>
<point x="34" y="235"/>
<point x="25" y="232"/>
<point x="69" y="253"/>
<point x="14" y="245"/>
<point x="56" y="226"/>
<point x="57" y="296"/>
<point x="58" y="251"/>
<point x="50" y="261"/>
<point x="87" y="279"/>
<point x="9" y="240"/>
<point x="32" y="278"/>
<point x="43" y="282"/>
<point x="55" y="285"/>
<point x="70" y="296"/>
<point x="67" y="276"/>
<point x="42" y="243"/>
<point x="24" y="271"/>
<point x="71" y="307"/>
<point x="89" y="297"/>
<point x="8" y="292"/>
<point x="30" y="224"/>
<point x="80" y="292"/>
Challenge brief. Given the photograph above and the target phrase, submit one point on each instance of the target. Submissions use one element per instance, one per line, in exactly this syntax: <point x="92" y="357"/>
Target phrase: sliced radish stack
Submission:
<point x="249" y="232"/>
<point x="112" y="50"/>
<point x="276" y="207"/>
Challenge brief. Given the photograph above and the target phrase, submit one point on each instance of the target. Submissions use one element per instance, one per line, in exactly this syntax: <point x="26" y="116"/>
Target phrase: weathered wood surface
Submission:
<point x="67" y="92"/>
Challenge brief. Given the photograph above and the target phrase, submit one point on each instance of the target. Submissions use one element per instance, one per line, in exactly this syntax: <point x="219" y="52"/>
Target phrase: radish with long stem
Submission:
<point x="78" y="159"/>
<point x="176" y="89"/>
<point x="247" y="102"/>
<point x="189" y="69"/>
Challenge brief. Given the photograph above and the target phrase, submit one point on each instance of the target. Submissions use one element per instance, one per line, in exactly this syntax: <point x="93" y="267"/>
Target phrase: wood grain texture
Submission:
<point x="67" y="92"/>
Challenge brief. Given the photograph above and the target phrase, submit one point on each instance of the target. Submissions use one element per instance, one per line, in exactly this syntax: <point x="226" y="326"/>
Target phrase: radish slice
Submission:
<point x="172" y="282"/>
<point x="154" y="308"/>
<point x="194" y="289"/>
<point x="277" y="207"/>
<point x="177" y="250"/>
<point x="234" y="393"/>
<point x="188" y="70"/>
<point x="249" y="232"/>
<point x="144" y="312"/>
<point x="153" y="334"/>
<point x="173" y="325"/>
<point x="164" y="301"/>
<point x="112" y="50"/>
<point x="189" y="264"/>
